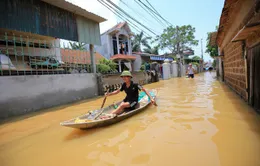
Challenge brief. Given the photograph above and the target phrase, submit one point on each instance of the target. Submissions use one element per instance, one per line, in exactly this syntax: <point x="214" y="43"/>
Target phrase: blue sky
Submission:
<point x="204" y="15"/>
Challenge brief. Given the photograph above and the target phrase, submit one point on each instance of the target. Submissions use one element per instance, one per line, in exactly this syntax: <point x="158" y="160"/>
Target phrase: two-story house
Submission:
<point x="116" y="45"/>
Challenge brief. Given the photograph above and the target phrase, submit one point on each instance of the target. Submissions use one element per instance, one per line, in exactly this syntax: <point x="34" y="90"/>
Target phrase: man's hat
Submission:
<point x="126" y="73"/>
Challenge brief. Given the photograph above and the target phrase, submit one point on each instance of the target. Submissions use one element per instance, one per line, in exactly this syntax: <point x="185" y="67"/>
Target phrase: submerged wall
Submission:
<point x="113" y="79"/>
<point x="23" y="94"/>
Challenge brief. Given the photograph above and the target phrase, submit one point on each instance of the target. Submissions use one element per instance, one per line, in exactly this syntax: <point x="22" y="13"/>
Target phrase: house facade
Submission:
<point x="116" y="45"/>
<point x="32" y="29"/>
<point x="238" y="40"/>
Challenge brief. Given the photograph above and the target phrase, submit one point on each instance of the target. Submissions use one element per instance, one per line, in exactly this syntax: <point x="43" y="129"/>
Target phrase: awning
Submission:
<point x="246" y="31"/>
<point x="123" y="57"/>
<point x="75" y="9"/>
<point x="158" y="58"/>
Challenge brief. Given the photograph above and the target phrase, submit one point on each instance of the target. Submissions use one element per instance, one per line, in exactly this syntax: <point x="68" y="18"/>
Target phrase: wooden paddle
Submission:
<point x="104" y="100"/>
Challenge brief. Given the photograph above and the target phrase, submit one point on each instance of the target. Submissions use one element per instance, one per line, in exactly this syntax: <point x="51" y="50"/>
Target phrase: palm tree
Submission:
<point x="196" y="58"/>
<point x="77" y="46"/>
<point x="154" y="50"/>
<point x="139" y="41"/>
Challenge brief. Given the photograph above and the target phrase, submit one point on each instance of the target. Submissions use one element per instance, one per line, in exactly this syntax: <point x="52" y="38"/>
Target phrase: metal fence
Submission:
<point x="38" y="55"/>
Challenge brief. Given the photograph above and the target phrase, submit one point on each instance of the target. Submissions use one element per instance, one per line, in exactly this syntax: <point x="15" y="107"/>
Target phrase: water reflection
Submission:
<point x="197" y="122"/>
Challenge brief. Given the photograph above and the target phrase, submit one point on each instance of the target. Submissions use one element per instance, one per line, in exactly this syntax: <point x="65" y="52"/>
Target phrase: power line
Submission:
<point x="130" y="16"/>
<point x="149" y="12"/>
<point x="136" y="12"/>
<point x="119" y="15"/>
<point x="122" y="17"/>
<point x="156" y="12"/>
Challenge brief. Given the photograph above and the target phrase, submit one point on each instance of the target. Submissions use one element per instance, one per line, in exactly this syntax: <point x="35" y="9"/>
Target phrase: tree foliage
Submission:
<point x="152" y="50"/>
<point x="106" y="66"/>
<point x="212" y="50"/>
<point x="110" y="63"/>
<point x="139" y="42"/>
<point x="196" y="58"/>
<point x="77" y="46"/>
<point x="195" y="63"/>
<point x="214" y="64"/>
<point x="102" y="68"/>
<point x="177" y="39"/>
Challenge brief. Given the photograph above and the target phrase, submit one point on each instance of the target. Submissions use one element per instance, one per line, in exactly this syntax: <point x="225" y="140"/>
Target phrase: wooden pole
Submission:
<point x="92" y="56"/>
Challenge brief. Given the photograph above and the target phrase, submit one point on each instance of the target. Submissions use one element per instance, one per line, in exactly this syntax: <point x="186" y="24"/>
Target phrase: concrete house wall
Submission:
<point x="106" y="49"/>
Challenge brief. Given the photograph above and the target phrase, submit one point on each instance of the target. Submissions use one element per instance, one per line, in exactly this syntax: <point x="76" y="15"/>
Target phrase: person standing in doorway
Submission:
<point x="190" y="71"/>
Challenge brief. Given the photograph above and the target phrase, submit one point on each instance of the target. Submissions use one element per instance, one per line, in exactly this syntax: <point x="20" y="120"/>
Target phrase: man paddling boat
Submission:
<point x="132" y="92"/>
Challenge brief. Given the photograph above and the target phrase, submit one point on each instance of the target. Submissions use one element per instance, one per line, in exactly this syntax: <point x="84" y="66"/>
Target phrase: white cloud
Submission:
<point x="95" y="7"/>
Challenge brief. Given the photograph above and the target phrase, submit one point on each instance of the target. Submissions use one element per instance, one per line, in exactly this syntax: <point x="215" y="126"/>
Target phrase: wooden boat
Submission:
<point x="102" y="117"/>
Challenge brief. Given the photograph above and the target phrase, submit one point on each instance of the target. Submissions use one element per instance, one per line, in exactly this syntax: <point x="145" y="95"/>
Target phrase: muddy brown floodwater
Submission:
<point x="198" y="122"/>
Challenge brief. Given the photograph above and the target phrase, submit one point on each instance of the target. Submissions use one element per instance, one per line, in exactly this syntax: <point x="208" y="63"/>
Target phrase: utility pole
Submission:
<point x="201" y="50"/>
<point x="179" y="56"/>
<point x="202" y="61"/>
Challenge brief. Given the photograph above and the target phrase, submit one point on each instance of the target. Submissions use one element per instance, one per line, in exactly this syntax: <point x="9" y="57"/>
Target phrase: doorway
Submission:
<point x="253" y="61"/>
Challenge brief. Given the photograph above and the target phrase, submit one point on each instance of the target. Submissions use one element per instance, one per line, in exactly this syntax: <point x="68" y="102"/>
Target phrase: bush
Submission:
<point x="142" y="67"/>
<point x="109" y="63"/>
<point x="106" y="66"/>
<point x="102" y="68"/>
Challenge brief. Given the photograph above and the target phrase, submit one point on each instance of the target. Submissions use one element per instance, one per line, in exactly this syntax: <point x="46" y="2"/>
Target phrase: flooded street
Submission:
<point x="198" y="122"/>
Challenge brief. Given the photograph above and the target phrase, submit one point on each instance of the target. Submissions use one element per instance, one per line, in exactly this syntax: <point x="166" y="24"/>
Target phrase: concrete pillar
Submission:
<point x="56" y="43"/>
<point x="119" y="63"/>
<point x="129" y="46"/>
<point x="117" y="42"/>
<point x="100" y="84"/>
<point x="110" y="46"/>
<point x="92" y="56"/>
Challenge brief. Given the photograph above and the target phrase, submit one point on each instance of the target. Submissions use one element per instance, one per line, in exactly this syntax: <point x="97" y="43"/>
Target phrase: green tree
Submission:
<point x="177" y="39"/>
<point x="196" y="58"/>
<point x="154" y="50"/>
<point x="212" y="50"/>
<point x="140" y="41"/>
<point x="214" y="64"/>
<point x="77" y="46"/>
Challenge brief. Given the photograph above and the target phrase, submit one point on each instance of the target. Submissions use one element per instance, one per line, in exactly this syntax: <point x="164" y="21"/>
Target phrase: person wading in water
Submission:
<point x="132" y="93"/>
<point x="190" y="71"/>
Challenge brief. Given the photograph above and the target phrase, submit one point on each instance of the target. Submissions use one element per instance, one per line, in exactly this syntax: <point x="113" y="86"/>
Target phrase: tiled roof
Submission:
<point x="117" y="26"/>
<point x="120" y="25"/>
<point x="78" y="56"/>
<point x="121" y="56"/>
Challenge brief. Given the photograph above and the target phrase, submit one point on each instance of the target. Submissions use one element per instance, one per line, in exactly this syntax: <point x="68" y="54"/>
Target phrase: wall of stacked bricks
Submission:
<point x="234" y="68"/>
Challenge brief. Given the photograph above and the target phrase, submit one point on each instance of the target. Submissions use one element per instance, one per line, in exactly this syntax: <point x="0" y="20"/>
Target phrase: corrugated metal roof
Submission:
<point x="160" y="58"/>
<point x="144" y="54"/>
<point x="75" y="9"/>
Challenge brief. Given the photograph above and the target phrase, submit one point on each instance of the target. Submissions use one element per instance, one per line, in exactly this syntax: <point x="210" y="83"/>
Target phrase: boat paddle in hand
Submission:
<point x="102" y="110"/>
